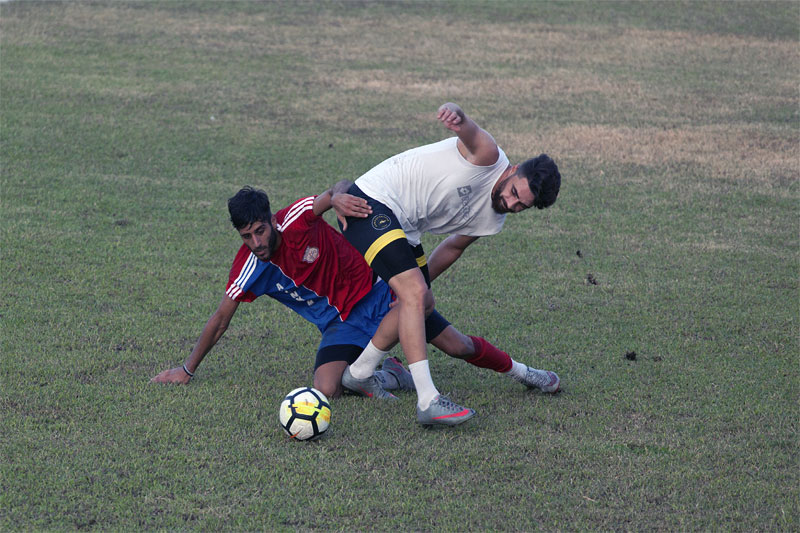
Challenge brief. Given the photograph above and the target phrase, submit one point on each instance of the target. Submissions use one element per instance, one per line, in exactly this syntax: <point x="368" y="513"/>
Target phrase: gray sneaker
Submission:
<point x="544" y="380"/>
<point x="365" y="387"/>
<point x="443" y="412"/>
<point x="393" y="366"/>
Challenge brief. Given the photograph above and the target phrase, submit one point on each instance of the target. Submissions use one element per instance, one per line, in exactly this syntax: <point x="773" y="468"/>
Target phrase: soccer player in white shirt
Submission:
<point x="462" y="186"/>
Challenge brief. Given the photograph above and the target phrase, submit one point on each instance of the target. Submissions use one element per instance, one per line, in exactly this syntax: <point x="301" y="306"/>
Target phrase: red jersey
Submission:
<point x="314" y="270"/>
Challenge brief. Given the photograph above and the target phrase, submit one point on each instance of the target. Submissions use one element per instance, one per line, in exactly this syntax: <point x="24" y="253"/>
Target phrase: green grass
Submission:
<point x="127" y="125"/>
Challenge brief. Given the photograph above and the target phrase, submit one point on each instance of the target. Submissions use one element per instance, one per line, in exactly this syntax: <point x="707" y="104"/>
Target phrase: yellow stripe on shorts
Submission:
<point x="381" y="242"/>
<point x="422" y="261"/>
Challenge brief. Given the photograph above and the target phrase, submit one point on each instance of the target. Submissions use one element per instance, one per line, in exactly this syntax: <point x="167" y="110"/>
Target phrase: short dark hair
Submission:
<point x="543" y="179"/>
<point x="247" y="206"/>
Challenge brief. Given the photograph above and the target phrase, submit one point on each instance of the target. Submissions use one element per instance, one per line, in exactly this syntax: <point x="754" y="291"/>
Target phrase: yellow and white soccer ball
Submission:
<point x="305" y="413"/>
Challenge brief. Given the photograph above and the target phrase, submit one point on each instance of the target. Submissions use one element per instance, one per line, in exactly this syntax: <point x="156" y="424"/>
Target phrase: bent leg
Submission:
<point x="474" y="350"/>
<point x="411" y="291"/>
<point x="330" y="363"/>
<point x="387" y="335"/>
<point x="328" y="378"/>
<point x="483" y="354"/>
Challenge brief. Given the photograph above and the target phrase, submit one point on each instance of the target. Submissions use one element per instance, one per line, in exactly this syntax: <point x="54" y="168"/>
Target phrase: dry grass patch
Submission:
<point x="558" y="82"/>
<point x="743" y="152"/>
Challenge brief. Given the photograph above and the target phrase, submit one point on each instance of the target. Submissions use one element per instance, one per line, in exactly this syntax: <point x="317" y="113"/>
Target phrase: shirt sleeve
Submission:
<point x="297" y="217"/>
<point x="240" y="273"/>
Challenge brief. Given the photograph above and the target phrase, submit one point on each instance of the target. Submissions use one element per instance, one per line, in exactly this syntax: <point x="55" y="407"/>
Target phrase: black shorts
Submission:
<point x="382" y="242"/>
<point x="435" y="324"/>
<point x="337" y="352"/>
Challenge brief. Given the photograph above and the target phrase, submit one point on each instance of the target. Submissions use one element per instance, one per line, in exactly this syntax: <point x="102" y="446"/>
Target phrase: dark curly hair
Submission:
<point x="543" y="179"/>
<point x="247" y="206"/>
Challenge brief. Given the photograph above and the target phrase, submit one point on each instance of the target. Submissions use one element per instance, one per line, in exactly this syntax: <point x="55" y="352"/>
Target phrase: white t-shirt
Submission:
<point x="434" y="189"/>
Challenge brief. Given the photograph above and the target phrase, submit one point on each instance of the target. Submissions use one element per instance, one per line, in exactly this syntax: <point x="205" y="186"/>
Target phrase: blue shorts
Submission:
<point x="363" y="320"/>
<point x="344" y="341"/>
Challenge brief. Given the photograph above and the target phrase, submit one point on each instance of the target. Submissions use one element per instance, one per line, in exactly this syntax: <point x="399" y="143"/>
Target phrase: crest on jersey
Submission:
<point x="311" y="254"/>
<point x="380" y="222"/>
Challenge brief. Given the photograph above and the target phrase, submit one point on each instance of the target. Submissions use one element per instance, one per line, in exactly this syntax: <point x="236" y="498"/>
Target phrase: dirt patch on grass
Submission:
<point x="558" y="82"/>
<point x="743" y="152"/>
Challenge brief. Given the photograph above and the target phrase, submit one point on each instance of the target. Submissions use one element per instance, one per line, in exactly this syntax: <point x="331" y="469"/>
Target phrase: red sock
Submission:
<point x="489" y="356"/>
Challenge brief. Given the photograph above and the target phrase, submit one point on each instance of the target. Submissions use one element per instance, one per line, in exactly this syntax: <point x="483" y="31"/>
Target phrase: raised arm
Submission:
<point x="212" y="332"/>
<point x="448" y="251"/>
<point x="475" y="143"/>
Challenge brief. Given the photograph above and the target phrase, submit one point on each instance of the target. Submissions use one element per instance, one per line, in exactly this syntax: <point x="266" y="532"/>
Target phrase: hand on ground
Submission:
<point x="173" y="375"/>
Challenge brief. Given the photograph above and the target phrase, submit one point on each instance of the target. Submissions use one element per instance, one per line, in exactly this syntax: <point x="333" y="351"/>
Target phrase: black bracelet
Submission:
<point x="187" y="371"/>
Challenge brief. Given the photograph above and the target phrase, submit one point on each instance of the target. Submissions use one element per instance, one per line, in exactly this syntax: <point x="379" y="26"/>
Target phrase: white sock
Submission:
<point x="426" y="390"/>
<point x="518" y="370"/>
<point x="365" y="365"/>
<point x="387" y="380"/>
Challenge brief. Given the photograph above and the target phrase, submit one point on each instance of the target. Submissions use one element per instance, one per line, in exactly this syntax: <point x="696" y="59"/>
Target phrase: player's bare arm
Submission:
<point x="447" y="253"/>
<point x="323" y="201"/>
<point x="345" y="205"/>
<point x="212" y="332"/>
<point x="476" y="144"/>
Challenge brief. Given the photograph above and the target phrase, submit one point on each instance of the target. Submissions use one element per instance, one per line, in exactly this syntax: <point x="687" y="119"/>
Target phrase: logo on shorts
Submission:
<point x="381" y="222"/>
<point x="311" y="254"/>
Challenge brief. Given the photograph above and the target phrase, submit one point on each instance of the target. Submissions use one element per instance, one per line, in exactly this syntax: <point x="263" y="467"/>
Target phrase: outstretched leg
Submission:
<point x="483" y="354"/>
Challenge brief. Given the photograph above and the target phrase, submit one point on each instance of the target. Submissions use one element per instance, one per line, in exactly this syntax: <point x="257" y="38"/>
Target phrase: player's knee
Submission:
<point x="411" y="289"/>
<point x="414" y="293"/>
<point x="454" y="343"/>
<point x="329" y="387"/>
<point x="430" y="303"/>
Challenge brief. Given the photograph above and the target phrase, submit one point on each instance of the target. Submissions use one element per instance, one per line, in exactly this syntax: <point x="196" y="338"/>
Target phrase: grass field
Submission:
<point x="127" y="125"/>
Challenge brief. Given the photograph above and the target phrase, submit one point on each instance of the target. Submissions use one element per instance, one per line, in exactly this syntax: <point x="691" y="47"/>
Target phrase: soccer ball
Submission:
<point x="305" y="413"/>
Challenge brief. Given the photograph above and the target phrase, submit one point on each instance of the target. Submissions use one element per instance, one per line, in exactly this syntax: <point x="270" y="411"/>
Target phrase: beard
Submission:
<point x="497" y="202"/>
<point x="269" y="248"/>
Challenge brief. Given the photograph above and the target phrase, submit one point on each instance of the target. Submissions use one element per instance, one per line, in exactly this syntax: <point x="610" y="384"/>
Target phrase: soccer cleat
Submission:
<point x="393" y="366"/>
<point x="443" y="412"/>
<point x="544" y="380"/>
<point x="368" y="387"/>
<point x="553" y="385"/>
